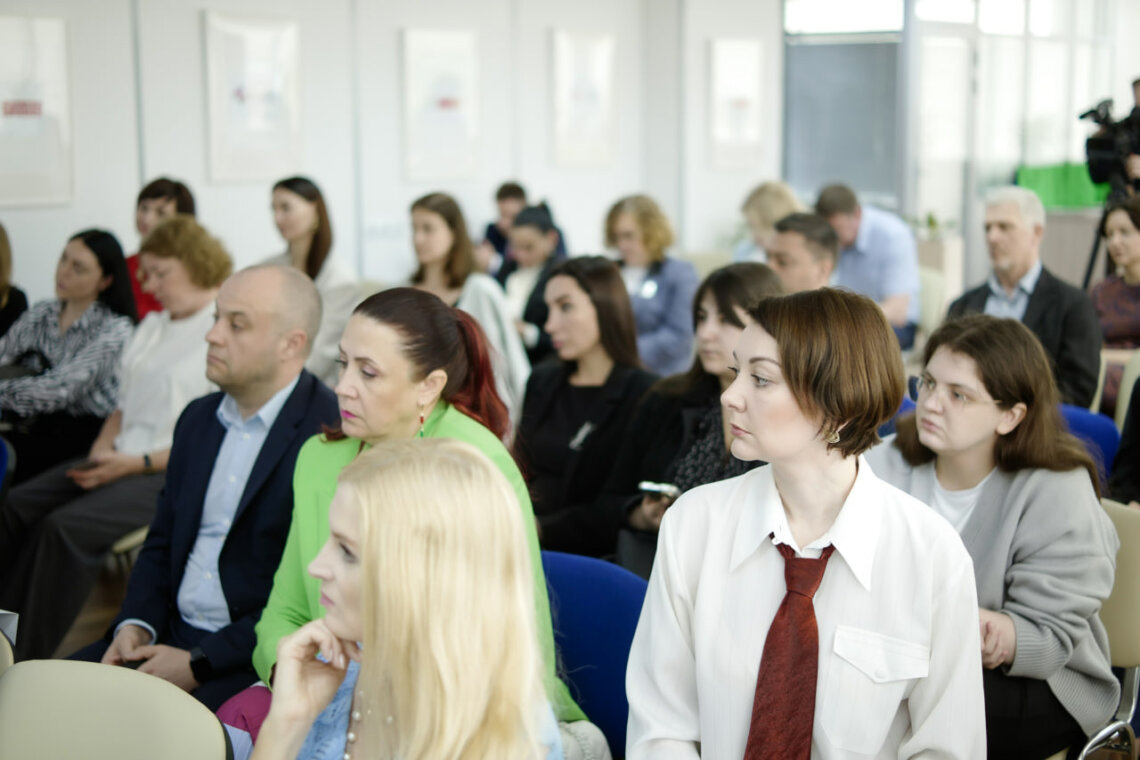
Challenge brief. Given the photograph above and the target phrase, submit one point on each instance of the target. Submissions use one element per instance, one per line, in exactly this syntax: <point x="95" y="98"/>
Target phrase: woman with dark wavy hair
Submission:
<point x="987" y="449"/>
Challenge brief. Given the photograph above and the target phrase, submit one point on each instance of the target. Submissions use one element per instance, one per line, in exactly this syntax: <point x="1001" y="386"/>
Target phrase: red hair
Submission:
<point x="478" y="398"/>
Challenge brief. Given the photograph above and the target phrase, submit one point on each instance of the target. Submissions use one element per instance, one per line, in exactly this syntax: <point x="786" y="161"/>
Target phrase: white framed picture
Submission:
<point x="582" y="86"/>
<point x="735" y="103"/>
<point x="441" y="104"/>
<point x="35" y="112"/>
<point x="253" y="97"/>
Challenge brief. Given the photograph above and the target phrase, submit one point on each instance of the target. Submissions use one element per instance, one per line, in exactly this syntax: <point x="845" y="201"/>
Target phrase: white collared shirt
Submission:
<point x="1001" y="303"/>
<point x="900" y="671"/>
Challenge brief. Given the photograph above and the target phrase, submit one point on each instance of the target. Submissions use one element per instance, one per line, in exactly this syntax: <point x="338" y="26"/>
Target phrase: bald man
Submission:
<point x="207" y="566"/>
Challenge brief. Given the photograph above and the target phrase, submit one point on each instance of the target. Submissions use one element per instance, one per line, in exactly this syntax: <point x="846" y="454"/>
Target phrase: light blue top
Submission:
<point x="999" y="303"/>
<point x="326" y="738"/>
<point x="201" y="600"/>
<point x="883" y="262"/>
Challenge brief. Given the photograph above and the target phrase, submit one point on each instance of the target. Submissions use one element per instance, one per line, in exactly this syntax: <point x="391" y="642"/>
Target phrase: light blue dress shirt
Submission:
<point x="883" y="262"/>
<point x="1000" y="303"/>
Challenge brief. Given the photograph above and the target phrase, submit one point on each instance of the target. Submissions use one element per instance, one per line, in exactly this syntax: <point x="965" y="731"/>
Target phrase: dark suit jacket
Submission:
<point x="574" y="525"/>
<point x="252" y="550"/>
<point x="1125" y="482"/>
<point x="536" y="313"/>
<point x="1064" y="320"/>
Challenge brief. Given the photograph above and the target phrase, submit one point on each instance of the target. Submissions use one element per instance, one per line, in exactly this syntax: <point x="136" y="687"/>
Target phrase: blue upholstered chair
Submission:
<point x="595" y="606"/>
<point x="1099" y="434"/>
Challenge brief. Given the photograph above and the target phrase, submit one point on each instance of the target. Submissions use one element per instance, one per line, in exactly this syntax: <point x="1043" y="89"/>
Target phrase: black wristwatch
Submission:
<point x="200" y="665"/>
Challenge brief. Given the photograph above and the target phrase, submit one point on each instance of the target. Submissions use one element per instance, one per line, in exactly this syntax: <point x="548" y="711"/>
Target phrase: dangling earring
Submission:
<point x="833" y="437"/>
<point x="421" y="433"/>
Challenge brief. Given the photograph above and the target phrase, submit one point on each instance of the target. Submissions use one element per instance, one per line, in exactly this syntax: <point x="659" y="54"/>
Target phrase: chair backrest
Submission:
<point x="595" y="606"/>
<point x="1124" y="393"/>
<point x="1099" y="433"/>
<point x="1120" y="613"/>
<point x="1095" y="405"/>
<point x="7" y="656"/>
<point x="62" y="709"/>
<point x="932" y="297"/>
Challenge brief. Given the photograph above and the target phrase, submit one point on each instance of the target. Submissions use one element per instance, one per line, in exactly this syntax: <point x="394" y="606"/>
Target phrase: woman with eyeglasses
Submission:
<point x="987" y="449"/>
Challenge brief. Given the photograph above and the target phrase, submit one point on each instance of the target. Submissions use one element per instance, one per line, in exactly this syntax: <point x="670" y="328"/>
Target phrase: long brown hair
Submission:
<point x="1014" y="369"/>
<point x="323" y="237"/>
<point x="460" y="261"/>
<point x="5" y="267"/>
<point x="741" y="285"/>
<point x="435" y="336"/>
<point x="601" y="280"/>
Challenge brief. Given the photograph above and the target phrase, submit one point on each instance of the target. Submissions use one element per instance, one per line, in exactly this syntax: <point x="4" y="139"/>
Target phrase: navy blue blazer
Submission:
<point x="663" y="308"/>
<point x="253" y="548"/>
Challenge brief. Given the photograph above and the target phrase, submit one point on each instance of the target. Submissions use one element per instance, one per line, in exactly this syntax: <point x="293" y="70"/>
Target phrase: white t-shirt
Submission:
<point x="633" y="277"/>
<point x="957" y="506"/>
<point x="162" y="370"/>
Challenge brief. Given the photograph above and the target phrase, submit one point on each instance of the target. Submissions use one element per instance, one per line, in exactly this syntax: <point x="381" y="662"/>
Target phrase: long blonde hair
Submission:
<point x="450" y="643"/>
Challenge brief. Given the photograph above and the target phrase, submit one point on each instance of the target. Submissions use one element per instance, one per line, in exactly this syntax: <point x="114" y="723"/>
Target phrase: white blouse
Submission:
<point x="900" y="672"/>
<point x="163" y="369"/>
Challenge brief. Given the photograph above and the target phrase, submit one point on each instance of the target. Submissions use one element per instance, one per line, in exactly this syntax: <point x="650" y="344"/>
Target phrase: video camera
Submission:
<point x="1108" y="150"/>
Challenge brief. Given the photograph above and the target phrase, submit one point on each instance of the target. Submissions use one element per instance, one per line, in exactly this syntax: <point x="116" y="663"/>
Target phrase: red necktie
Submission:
<point x="783" y="710"/>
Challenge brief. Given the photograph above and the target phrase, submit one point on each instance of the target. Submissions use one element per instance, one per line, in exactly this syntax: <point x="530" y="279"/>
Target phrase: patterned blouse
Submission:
<point x="1118" y="311"/>
<point x="83" y="376"/>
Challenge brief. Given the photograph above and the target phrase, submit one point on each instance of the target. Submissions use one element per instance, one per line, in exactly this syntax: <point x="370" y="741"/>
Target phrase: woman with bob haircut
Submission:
<point x="302" y="219"/>
<point x="661" y="288"/>
<point x="807" y="608"/>
<point x="766" y="204"/>
<point x="411" y="367"/>
<point x="60" y="359"/>
<point x="159" y="200"/>
<point x="679" y="436"/>
<point x="447" y="269"/>
<point x="426" y="566"/>
<point x="987" y="449"/>
<point x="576" y="409"/>
<point x="535" y="244"/>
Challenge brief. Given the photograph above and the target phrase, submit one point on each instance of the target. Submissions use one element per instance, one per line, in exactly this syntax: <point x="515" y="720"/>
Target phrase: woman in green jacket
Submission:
<point x="410" y="366"/>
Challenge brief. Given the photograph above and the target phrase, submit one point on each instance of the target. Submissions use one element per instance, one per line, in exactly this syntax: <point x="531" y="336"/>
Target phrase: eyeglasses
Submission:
<point x="921" y="386"/>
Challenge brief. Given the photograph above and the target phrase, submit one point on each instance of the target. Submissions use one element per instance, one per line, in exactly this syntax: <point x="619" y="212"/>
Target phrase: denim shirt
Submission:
<point x="326" y="738"/>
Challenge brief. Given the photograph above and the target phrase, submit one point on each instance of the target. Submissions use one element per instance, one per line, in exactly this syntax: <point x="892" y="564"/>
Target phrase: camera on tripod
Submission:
<point x="1108" y="150"/>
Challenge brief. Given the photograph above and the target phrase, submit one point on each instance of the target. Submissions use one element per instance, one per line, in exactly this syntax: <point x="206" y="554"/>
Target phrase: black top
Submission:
<point x="566" y="443"/>
<point x="1125" y="482"/>
<point x="1064" y="320"/>
<point x="11" y="311"/>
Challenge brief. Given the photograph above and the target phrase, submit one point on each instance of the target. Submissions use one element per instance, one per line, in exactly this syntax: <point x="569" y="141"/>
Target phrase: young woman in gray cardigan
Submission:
<point x="987" y="449"/>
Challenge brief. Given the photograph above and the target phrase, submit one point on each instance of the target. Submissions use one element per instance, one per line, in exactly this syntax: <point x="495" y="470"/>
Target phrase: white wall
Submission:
<point x="351" y="131"/>
<point x="711" y="198"/>
<point x="105" y="141"/>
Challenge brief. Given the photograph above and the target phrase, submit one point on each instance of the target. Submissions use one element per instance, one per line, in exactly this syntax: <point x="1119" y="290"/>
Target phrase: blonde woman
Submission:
<point x="766" y="204"/>
<point x="428" y="647"/>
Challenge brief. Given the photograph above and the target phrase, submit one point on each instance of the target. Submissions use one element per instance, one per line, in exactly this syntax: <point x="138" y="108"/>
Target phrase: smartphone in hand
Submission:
<point x="668" y="490"/>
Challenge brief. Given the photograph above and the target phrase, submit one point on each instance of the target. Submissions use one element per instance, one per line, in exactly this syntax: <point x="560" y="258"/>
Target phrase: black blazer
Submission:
<point x="536" y="313"/>
<point x="1125" y="482"/>
<point x="573" y="525"/>
<point x="1064" y="320"/>
<point x="253" y="548"/>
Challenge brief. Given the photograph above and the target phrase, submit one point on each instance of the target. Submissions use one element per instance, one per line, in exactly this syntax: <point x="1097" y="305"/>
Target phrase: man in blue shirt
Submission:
<point x="1020" y="287"/>
<point x="206" y="569"/>
<point x="877" y="257"/>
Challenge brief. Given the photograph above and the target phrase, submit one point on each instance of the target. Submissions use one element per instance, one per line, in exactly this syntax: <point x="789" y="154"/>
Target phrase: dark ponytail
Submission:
<point x="437" y="336"/>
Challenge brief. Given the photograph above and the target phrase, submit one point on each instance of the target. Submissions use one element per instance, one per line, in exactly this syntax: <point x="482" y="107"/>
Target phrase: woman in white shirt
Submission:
<point x="447" y="269"/>
<point x="723" y="664"/>
<point x="302" y="218"/>
<point x="987" y="449"/>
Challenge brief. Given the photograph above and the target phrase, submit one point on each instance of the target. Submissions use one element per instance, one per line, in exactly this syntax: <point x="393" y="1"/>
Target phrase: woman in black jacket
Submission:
<point x="676" y="438"/>
<point x="576" y="410"/>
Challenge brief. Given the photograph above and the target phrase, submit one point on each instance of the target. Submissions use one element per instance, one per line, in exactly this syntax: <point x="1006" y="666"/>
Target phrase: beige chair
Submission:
<point x="1095" y="405"/>
<point x="7" y="656"/>
<point x="932" y="299"/>
<point x="1124" y="395"/>
<point x="123" y="550"/>
<point x="1121" y="617"/>
<point x="61" y="709"/>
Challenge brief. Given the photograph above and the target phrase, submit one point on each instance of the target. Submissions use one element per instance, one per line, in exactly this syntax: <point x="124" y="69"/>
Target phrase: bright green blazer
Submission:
<point x="294" y="599"/>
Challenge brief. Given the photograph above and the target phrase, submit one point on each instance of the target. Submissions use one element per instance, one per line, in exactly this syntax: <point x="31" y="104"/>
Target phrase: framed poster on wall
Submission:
<point x="35" y="112"/>
<point x="253" y="100"/>
<point x="735" y="103"/>
<point x="441" y="104"/>
<point x="582" y="72"/>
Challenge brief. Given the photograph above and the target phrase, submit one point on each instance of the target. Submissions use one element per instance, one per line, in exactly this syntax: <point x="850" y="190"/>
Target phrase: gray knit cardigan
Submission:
<point x="1044" y="553"/>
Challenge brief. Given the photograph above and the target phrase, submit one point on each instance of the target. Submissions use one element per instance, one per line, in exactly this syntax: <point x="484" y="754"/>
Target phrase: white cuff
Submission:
<point x="141" y="624"/>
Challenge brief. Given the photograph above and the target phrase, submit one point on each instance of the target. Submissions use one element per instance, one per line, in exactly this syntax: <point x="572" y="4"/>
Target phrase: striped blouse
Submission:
<point x="83" y="379"/>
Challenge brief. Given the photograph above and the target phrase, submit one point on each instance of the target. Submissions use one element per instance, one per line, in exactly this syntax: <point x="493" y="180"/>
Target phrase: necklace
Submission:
<point x="356" y="717"/>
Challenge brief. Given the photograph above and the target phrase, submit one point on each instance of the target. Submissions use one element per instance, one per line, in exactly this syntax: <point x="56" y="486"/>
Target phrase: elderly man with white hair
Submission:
<point x="1019" y="287"/>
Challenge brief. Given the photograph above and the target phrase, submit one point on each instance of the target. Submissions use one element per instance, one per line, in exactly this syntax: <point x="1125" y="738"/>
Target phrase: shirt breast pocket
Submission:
<point x="868" y="676"/>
